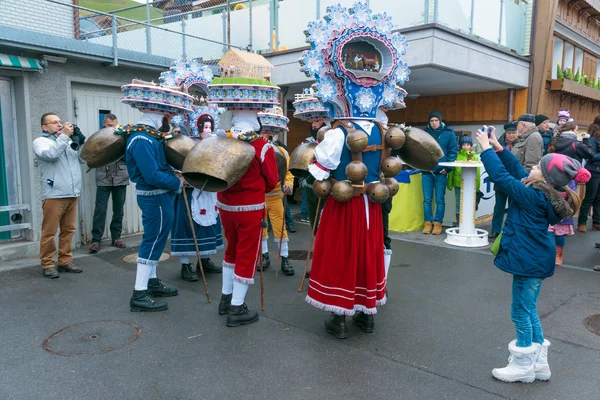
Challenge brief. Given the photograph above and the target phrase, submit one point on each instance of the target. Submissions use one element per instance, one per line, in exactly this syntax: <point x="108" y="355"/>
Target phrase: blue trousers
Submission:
<point x="499" y="208"/>
<point x="304" y="208"/>
<point x="157" y="219"/>
<point x="525" y="292"/>
<point x="431" y="183"/>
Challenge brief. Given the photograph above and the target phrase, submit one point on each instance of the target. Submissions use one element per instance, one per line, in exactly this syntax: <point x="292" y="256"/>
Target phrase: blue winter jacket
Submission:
<point x="526" y="248"/>
<point x="446" y="138"/>
<point x="147" y="165"/>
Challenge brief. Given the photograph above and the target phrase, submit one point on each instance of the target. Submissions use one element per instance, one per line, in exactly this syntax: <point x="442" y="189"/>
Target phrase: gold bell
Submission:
<point x="391" y="167"/>
<point x="357" y="140"/>
<point x="395" y="138"/>
<point x="379" y="192"/>
<point x="392" y="185"/>
<point x="321" y="133"/>
<point x="356" y="171"/>
<point x="322" y="188"/>
<point x="342" y="191"/>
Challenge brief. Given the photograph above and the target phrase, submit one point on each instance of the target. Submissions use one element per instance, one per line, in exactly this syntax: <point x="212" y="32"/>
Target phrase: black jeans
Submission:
<point x="386" y="209"/>
<point x="118" y="202"/>
<point x="592" y="198"/>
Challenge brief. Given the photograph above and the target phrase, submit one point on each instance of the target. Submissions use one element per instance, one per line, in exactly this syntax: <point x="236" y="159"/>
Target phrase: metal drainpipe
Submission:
<point x="148" y="33"/>
<point x="228" y="22"/>
<point x="426" y="12"/>
<point x="501" y="20"/>
<point x="271" y="44"/>
<point x="511" y="102"/>
<point x="183" y="54"/>
<point x="114" y="38"/>
<point x="224" y="17"/>
<point x="435" y="11"/>
<point x="318" y="9"/>
<point x="276" y="25"/>
<point x="250" y="22"/>
<point x="472" y="20"/>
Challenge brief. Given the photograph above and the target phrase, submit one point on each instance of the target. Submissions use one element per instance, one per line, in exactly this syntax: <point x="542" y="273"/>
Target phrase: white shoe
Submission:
<point x="520" y="366"/>
<point x="541" y="368"/>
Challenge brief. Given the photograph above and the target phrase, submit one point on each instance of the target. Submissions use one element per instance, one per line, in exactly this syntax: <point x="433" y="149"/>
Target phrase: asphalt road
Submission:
<point x="446" y="325"/>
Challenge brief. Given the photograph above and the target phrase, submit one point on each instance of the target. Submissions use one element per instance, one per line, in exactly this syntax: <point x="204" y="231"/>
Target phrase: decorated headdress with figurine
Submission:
<point x="152" y="97"/>
<point x="185" y="74"/>
<point x="244" y="83"/>
<point x="356" y="60"/>
<point x="273" y="121"/>
<point x="308" y="107"/>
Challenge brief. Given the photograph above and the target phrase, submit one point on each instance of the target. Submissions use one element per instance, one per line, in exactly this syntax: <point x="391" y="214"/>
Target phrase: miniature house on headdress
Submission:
<point x="244" y="83"/>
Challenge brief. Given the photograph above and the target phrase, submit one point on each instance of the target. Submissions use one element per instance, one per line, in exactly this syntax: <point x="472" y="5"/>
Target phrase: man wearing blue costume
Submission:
<point x="156" y="187"/>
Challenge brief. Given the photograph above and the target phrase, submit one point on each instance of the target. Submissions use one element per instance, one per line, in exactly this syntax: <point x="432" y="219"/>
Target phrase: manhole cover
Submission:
<point x="298" y="254"/>
<point x="91" y="338"/>
<point x="132" y="258"/>
<point x="592" y="323"/>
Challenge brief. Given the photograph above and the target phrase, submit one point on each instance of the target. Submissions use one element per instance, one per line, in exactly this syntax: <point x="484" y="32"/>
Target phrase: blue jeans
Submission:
<point x="303" y="208"/>
<point x="431" y="182"/>
<point x="499" y="208"/>
<point x="289" y="222"/>
<point x="525" y="292"/>
<point x="157" y="218"/>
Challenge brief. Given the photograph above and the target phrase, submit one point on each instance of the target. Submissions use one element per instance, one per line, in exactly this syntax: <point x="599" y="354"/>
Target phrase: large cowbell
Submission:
<point x="366" y="64"/>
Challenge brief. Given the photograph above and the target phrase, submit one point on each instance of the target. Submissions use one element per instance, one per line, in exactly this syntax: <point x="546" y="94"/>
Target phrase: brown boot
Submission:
<point x="596" y="227"/>
<point x="437" y="228"/>
<point x="427" y="228"/>
<point x="581" y="228"/>
<point x="559" y="255"/>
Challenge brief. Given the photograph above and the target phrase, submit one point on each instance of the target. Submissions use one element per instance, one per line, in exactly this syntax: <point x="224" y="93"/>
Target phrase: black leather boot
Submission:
<point x="364" y="321"/>
<point x="240" y="315"/>
<point x="142" y="301"/>
<point x="209" y="267"/>
<point x="225" y="304"/>
<point x="286" y="268"/>
<point x="158" y="289"/>
<point x="336" y="325"/>
<point x="187" y="274"/>
<point x="266" y="262"/>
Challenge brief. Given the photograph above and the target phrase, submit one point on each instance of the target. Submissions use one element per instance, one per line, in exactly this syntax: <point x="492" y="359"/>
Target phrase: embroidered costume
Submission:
<point x="356" y="61"/>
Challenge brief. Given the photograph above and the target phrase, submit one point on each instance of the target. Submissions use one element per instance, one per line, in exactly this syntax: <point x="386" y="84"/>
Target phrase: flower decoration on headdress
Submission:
<point x="356" y="60"/>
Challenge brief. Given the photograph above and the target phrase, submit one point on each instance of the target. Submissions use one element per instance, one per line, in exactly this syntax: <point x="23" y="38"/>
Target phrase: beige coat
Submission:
<point x="529" y="148"/>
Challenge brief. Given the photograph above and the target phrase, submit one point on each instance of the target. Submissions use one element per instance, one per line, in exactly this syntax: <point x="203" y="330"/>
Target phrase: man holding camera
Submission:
<point x="110" y="180"/>
<point x="58" y="154"/>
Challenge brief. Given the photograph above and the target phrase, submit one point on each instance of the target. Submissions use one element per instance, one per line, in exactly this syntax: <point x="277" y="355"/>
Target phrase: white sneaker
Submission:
<point x="541" y="368"/>
<point x="520" y="366"/>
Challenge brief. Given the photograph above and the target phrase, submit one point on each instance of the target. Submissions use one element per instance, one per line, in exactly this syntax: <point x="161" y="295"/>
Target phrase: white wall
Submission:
<point x="39" y="16"/>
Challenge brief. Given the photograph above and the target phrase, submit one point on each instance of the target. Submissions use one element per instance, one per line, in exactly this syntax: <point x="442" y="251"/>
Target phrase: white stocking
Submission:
<point x="284" y="249"/>
<point x="227" y="287"/>
<point x="239" y="293"/>
<point x="142" y="275"/>
<point x="265" y="245"/>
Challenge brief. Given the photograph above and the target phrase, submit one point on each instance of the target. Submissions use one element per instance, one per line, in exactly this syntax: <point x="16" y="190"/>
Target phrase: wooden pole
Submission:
<point x="312" y="238"/>
<point x="189" y="213"/>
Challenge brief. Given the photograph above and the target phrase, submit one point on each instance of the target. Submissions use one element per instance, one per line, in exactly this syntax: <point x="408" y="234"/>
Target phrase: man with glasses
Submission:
<point x="58" y="157"/>
<point x="111" y="180"/>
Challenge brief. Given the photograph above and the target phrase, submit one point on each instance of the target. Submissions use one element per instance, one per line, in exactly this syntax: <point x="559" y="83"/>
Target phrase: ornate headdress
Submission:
<point x="244" y="83"/>
<point x="185" y="74"/>
<point x="151" y="97"/>
<point x="273" y="121"/>
<point x="356" y="60"/>
<point x="307" y="107"/>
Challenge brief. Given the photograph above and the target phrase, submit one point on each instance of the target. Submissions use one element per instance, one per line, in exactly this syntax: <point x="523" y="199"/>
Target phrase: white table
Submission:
<point x="466" y="235"/>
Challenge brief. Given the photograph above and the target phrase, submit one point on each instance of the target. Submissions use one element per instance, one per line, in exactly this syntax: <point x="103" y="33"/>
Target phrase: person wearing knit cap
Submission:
<point x="529" y="146"/>
<point x="465" y="154"/>
<point x="436" y="179"/>
<point x="538" y="198"/>
<point x="563" y="117"/>
<point x="506" y="140"/>
<point x="543" y="124"/>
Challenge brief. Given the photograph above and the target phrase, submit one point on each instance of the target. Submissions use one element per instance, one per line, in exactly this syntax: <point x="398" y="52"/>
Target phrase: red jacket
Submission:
<point x="248" y="193"/>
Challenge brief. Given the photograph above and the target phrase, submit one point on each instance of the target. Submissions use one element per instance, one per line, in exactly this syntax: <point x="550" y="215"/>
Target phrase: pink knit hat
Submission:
<point x="559" y="170"/>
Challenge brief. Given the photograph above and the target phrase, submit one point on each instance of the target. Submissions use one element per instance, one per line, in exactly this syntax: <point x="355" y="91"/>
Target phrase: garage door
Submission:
<point x="90" y="108"/>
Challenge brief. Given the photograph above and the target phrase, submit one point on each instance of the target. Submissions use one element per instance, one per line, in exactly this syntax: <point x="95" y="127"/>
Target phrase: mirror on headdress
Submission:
<point x="363" y="59"/>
